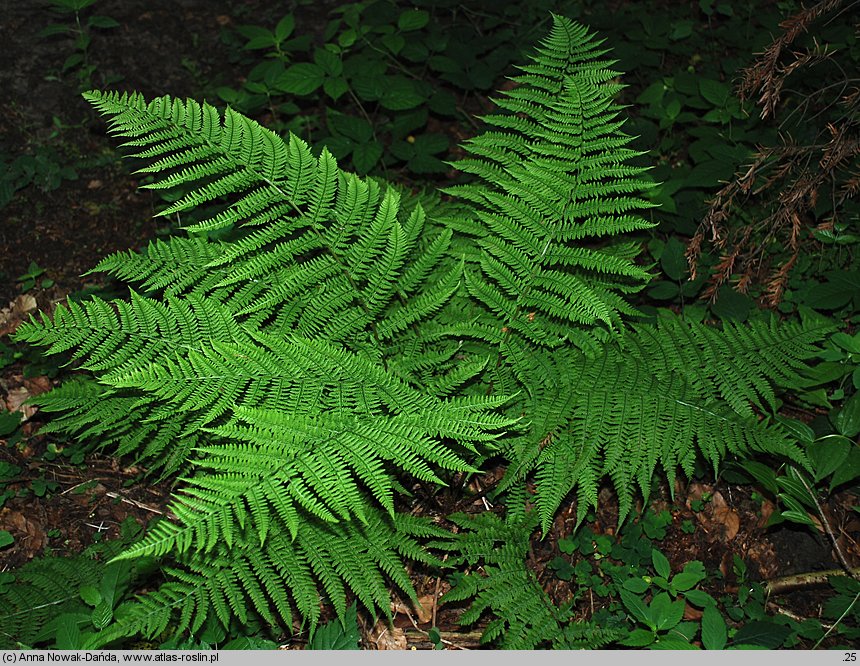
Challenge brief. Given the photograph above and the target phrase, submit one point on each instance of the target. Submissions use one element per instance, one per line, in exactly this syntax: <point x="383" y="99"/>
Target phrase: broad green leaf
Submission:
<point x="365" y="156"/>
<point x="716" y="92"/>
<point x="672" y="259"/>
<point x="681" y="30"/>
<point x="9" y="422"/>
<point x="431" y="144"/>
<point x="636" y="585"/>
<point x="828" y="454"/>
<point x="849" y="470"/>
<point x="661" y="564"/>
<point x="336" y="87"/>
<point x="6" y="538"/>
<point x="257" y="36"/>
<point x="91" y="595"/>
<point x="639" y="638"/>
<point x="762" y="473"/>
<point x="399" y="94"/>
<point x="686" y="580"/>
<point x="357" y="129"/>
<point x="666" y="613"/>
<point x="850" y="343"/>
<point x="636" y="606"/>
<point x="699" y="598"/>
<point x="663" y="290"/>
<point x="762" y="633"/>
<point x="847" y="420"/>
<point x="798" y="488"/>
<point x="393" y="43"/>
<point x="68" y="632"/>
<point x="714" y="633"/>
<point x="301" y="79"/>
<point x="103" y="22"/>
<point x="413" y="19"/>
<point x="285" y="28"/>
<point x="102" y="615"/>
<point x="331" y="62"/>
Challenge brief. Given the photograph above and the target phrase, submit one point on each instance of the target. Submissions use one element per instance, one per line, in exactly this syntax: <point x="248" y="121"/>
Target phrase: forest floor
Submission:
<point x="168" y="46"/>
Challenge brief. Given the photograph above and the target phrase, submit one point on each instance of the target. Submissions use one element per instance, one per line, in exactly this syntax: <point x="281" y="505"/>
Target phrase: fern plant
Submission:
<point x="322" y="341"/>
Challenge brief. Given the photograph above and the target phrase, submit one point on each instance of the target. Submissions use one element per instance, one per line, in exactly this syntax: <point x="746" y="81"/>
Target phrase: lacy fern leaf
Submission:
<point x="522" y="615"/>
<point x="320" y="340"/>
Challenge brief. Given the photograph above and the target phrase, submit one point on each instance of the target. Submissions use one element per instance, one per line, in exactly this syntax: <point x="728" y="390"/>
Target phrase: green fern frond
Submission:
<point x="665" y="395"/>
<point x="320" y="339"/>
<point x="283" y="575"/>
<point x="45" y="597"/>
<point x="553" y="171"/>
<point x="523" y="616"/>
<point x="740" y="363"/>
<point x="173" y="265"/>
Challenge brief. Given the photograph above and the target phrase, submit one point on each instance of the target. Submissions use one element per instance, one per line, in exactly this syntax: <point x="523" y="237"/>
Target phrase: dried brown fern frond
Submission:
<point x="786" y="181"/>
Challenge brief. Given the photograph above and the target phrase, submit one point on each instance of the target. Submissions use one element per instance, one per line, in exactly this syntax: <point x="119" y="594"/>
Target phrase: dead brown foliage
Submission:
<point x="791" y="178"/>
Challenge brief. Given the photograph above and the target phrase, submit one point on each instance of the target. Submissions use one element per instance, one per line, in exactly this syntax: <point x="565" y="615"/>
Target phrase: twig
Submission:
<point x="794" y="616"/>
<point x="139" y="505"/>
<point x="806" y="579"/>
<point x="436" y="594"/>
<point x="854" y="573"/>
<point x="472" y="638"/>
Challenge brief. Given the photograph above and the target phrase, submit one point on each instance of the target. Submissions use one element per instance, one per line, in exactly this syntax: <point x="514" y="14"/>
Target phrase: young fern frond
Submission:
<point x="554" y="173"/>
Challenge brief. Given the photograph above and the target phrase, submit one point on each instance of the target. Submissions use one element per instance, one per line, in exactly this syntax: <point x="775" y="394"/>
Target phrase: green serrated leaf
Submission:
<point x="666" y="613"/>
<point x="714" y="633"/>
<point x="91" y="595"/>
<point x="761" y="633"/>
<point x="699" y="598"/>
<point x="661" y="564"/>
<point x="102" y="615"/>
<point x="716" y="92"/>
<point x="365" y="156"/>
<point x="68" y="636"/>
<point x="828" y="454"/>
<point x="285" y="28"/>
<point x="639" y="638"/>
<point x="636" y="606"/>
<point x="636" y="585"/>
<point x="849" y="470"/>
<point x="413" y="19"/>
<point x="301" y="79"/>
<point x="847" y="420"/>
<point x="9" y="422"/>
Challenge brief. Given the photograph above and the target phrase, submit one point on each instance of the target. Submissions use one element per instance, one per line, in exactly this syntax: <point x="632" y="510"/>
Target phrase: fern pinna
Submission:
<point x="320" y="338"/>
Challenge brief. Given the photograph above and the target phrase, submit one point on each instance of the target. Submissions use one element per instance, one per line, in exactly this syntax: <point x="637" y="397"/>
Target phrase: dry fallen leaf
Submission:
<point x="388" y="638"/>
<point x="15" y="398"/>
<point x="26" y="531"/>
<point x="730" y="521"/>
<point x="420" y="613"/>
<point x="17" y="312"/>
<point x="692" y="613"/>
<point x="37" y="385"/>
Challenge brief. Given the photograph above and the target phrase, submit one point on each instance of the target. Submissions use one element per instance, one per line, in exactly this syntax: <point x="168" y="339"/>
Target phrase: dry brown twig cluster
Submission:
<point x="788" y="179"/>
